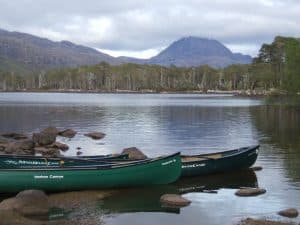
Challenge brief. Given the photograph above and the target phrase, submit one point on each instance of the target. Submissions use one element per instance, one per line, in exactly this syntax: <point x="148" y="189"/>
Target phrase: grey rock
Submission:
<point x="291" y="213"/>
<point x="68" y="133"/>
<point x="43" y="139"/>
<point x="20" y="147"/>
<point x="51" y="130"/>
<point x="174" y="200"/>
<point x="15" y="136"/>
<point x="61" y="146"/>
<point x="245" y="192"/>
<point x="28" y="203"/>
<point x="134" y="153"/>
<point x="95" y="135"/>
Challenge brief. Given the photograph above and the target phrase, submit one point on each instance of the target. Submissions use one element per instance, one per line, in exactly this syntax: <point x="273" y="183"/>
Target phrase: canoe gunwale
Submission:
<point x="95" y="167"/>
<point x="236" y="152"/>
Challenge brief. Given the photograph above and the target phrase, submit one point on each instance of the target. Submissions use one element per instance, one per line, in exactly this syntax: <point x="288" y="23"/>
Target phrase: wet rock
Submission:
<point x="51" y="130"/>
<point x="43" y="139"/>
<point x="256" y="168"/>
<point x="78" y="153"/>
<point x="2" y="147"/>
<point x="210" y="191"/>
<point x="61" y="146"/>
<point x="78" y="148"/>
<point x="174" y="200"/>
<point x="134" y="153"/>
<point x="245" y="192"/>
<point x="20" y="147"/>
<point x="15" y="136"/>
<point x="48" y="152"/>
<point x="95" y="135"/>
<point x="292" y="212"/>
<point x="69" y="133"/>
<point x="250" y="221"/>
<point x="28" y="203"/>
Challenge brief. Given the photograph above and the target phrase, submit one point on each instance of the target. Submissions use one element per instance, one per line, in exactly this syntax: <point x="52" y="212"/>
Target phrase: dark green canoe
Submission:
<point x="219" y="162"/>
<point x="162" y="170"/>
<point x="29" y="161"/>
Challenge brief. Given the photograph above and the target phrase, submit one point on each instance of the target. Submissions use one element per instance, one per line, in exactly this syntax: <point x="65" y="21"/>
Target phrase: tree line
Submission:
<point x="276" y="67"/>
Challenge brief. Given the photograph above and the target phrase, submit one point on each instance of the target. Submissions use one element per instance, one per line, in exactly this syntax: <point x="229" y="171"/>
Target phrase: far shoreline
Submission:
<point x="239" y="93"/>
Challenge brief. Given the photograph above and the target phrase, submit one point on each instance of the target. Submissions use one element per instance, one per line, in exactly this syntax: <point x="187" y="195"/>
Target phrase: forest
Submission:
<point x="277" y="68"/>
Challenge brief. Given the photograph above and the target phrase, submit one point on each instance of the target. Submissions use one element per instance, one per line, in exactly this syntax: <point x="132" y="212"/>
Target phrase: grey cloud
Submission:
<point x="134" y="25"/>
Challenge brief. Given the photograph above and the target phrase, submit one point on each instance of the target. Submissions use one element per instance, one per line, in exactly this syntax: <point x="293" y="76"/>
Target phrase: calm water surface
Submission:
<point x="167" y="123"/>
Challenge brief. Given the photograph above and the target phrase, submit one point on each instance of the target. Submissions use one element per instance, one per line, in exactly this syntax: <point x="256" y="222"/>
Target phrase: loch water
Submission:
<point x="161" y="124"/>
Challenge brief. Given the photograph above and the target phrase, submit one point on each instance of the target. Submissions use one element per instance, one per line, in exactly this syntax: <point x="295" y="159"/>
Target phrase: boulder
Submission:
<point x="250" y="221"/>
<point x="3" y="147"/>
<point x="134" y="153"/>
<point x="20" y="147"/>
<point x="48" y="151"/>
<point x="174" y="200"/>
<point x="61" y="146"/>
<point x="292" y="213"/>
<point x="51" y="130"/>
<point x="15" y="136"/>
<point x="69" y="133"/>
<point x="28" y="203"/>
<point x="43" y="139"/>
<point x="245" y="192"/>
<point x="256" y="168"/>
<point x="95" y="135"/>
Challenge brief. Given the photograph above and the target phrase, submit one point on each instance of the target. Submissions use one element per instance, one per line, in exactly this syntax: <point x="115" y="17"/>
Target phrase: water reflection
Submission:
<point x="147" y="199"/>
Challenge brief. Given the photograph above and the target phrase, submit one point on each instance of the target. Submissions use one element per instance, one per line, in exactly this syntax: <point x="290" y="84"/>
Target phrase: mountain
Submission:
<point x="194" y="51"/>
<point x="31" y="52"/>
<point x="40" y="53"/>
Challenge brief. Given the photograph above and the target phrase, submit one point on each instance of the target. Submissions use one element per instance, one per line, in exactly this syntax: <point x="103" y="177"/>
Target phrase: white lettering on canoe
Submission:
<point x="29" y="162"/>
<point x="193" y="165"/>
<point x="48" y="177"/>
<point x="168" y="162"/>
<point x="40" y="177"/>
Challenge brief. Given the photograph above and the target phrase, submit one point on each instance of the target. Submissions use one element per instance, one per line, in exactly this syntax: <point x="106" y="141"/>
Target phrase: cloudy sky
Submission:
<point x="142" y="28"/>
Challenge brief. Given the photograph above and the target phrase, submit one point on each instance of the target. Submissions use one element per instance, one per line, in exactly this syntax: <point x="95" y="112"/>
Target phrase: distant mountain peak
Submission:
<point x="195" y="51"/>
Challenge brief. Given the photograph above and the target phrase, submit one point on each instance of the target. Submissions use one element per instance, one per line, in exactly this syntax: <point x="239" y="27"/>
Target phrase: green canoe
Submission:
<point x="29" y="161"/>
<point x="220" y="162"/>
<point x="162" y="170"/>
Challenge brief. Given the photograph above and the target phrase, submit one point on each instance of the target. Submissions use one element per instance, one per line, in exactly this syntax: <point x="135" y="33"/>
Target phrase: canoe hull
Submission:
<point x="241" y="160"/>
<point x="161" y="171"/>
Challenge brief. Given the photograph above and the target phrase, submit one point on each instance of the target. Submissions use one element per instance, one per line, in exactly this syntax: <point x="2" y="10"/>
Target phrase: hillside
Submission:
<point x="40" y="53"/>
<point x="35" y="53"/>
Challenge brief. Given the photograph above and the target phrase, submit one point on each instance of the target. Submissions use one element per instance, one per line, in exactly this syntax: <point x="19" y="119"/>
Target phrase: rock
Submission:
<point x="78" y="148"/>
<point x="43" y="139"/>
<point x="48" y="151"/>
<point x="28" y="203"/>
<point x="15" y="136"/>
<point x="134" y="153"/>
<point x="250" y="221"/>
<point x="61" y="146"/>
<point x="3" y="147"/>
<point x="292" y="212"/>
<point x="95" y="135"/>
<point x="20" y="147"/>
<point x="210" y="191"/>
<point x="244" y="192"/>
<point x="256" y="168"/>
<point x="69" y="133"/>
<point x="78" y="153"/>
<point x="174" y="200"/>
<point x="51" y="130"/>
